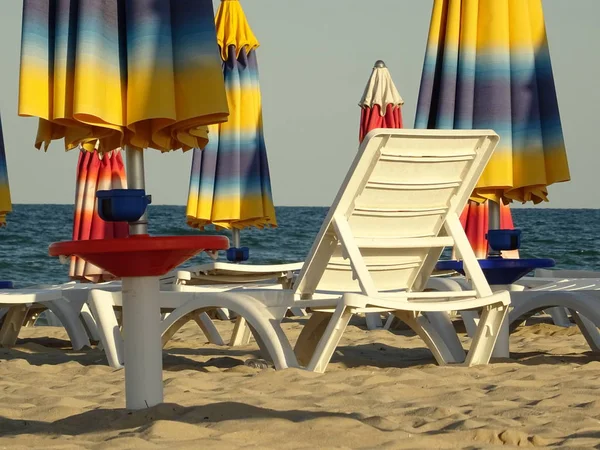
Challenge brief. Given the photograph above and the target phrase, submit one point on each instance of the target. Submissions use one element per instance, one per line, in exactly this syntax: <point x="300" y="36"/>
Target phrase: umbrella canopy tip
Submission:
<point x="379" y="64"/>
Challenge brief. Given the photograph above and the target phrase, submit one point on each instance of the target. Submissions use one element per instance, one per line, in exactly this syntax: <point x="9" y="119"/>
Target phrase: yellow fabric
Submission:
<point x="502" y="46"/>
<point x="233" y="29"/>
<point x="158" y="87"/>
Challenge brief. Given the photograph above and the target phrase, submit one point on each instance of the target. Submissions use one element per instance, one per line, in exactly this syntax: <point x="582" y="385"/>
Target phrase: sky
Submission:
<point x="315" y="59"/>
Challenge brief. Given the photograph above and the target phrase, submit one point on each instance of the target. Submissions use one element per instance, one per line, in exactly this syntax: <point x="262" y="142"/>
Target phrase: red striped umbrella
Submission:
<point x="380" y="103"/>
<point x="95" y="173"/>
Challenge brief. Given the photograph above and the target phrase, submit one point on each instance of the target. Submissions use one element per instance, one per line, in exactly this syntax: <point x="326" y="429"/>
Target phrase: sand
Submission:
<point x="382" y="390"/>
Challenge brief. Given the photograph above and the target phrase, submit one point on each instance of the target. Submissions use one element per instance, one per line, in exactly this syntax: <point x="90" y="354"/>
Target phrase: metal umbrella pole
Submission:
<point x="235" y="237"/>
<point x="493" y="223"/>
<point x="135" y="180"/>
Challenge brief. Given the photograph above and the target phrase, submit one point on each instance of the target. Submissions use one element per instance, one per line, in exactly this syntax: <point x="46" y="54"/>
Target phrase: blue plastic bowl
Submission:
<point x="235" y="254"/>
<point x="504" y="239"/>
<point x="122" y="205"/>
<point x="500" y="270"/>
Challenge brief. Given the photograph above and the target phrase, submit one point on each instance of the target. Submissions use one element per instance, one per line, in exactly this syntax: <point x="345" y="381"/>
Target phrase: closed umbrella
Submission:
<point x="120" y="73"/>
<point x="380" y="105"/>
<point x="230" y="184"/>
<point x="5" y="202"/>
<point x="95" y="172"/>
<point x="487" y="65"/>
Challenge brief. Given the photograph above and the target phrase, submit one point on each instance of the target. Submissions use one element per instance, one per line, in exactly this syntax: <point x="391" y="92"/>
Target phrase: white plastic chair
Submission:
<point x="18" y="303"/>
<point x="554" y="291"/>
<point x="395" y="212"/>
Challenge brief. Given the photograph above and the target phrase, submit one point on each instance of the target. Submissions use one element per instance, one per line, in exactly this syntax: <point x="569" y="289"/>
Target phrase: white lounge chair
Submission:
<point x="67" y="303"/>
<point x="19" y="303"/>
<point x="571" y="297"/>
<point x="396" y="211"/>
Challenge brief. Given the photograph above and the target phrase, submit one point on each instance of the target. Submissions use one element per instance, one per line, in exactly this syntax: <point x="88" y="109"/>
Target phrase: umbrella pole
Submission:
<point x="141" y="314"/>
<point x="136" y="180"/>
<point x="493" y="223"/>
<point x="235" y="237"/>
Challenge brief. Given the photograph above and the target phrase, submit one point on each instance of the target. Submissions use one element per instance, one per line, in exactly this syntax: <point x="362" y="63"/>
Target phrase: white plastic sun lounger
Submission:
<point x="18" y="303"/>
<point x="577" y="298"/>
<point x="68" y="303"/>
<point x="396" y="211"/>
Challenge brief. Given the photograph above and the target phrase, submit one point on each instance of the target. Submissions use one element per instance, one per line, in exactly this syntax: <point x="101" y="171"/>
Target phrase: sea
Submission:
<point x="570" y="236"/>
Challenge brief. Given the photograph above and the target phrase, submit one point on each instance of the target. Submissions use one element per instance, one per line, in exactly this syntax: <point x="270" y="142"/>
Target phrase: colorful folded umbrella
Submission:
<point x="95" y="172"/>
<point x="5" y="203"/>
<point x="144" y="73"/>
<point x="380" y="103"/>
<point x="230" y="184"/>
<point x="487" y="65"/>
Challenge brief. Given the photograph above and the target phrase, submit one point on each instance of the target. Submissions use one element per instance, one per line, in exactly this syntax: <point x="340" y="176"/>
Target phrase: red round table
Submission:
<point x="141" y="255"/>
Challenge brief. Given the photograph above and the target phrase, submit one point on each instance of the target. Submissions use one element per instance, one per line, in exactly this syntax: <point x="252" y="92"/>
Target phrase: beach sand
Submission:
<point x="382" y="390"/>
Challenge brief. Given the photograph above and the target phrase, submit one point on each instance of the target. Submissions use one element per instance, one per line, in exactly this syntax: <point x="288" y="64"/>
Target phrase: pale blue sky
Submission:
<point x="315" y="59"/>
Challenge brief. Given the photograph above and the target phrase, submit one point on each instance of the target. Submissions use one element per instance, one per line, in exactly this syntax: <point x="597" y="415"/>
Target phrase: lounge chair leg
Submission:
<point x="241" y="333"/>
<point x="108" y="327"/>
<point x="471" y="321"/>
<point x="374" y="321"/>
<point x="13" y="321"/>
<point x="330" y="339"/>
<point x="588" y="329"/>
<point x="559" y="316"/>
<point x="208" y="328"/>
<point x="502" y="349"/>
<point x="484" y="341"/>
<point x="389" y="322"/>
<point x="427" y="332"/>
<point x="309" y="336"/>
<point x="443" y="325"/>
<point x="223" y="314"/>
<point x="69" y="318"/>
<point x="90" y="322"/>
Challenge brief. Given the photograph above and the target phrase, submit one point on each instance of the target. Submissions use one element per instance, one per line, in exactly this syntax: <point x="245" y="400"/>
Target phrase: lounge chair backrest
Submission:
<point x="388" y="224"/>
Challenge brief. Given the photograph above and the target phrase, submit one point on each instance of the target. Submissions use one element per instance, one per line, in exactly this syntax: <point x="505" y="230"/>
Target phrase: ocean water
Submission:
<point x="570" y="236"/>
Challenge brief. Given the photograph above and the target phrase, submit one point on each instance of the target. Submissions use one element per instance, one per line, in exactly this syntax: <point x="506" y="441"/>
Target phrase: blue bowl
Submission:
<point x="504" y="239"/>
<point x="122" y="205"/>
<point x="235" y="254"/>
<point x="500" y="270"/>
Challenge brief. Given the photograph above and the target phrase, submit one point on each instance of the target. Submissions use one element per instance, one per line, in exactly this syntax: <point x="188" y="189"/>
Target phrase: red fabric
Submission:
<point x="371" y="118"/>
<point x="95" y="174"/>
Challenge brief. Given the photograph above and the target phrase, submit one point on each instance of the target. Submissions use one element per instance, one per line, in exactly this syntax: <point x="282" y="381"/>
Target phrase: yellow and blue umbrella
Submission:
<point x="230" y="184"/>
<point x="487" y="65"/>
<point x="141" y="73"/>
<point x="5" y="203"/>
